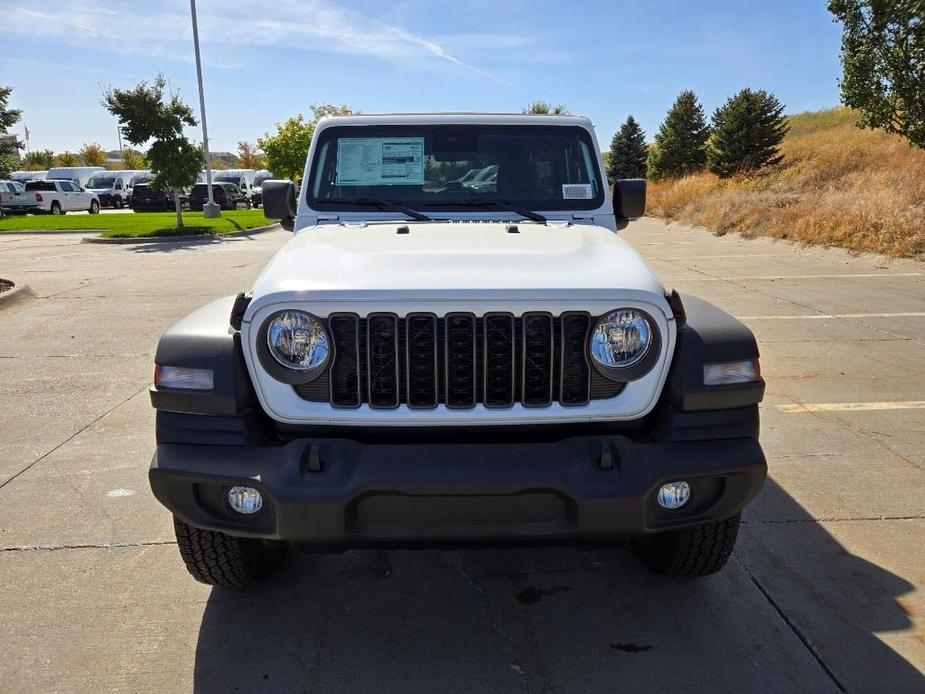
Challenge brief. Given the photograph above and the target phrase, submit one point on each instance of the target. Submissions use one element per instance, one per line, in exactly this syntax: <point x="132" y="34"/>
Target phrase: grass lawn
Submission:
<point x="141" y="224"/>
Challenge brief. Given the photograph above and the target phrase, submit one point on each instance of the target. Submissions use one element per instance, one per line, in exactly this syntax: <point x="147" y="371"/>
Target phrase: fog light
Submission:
<point x="674" y="495"/>
<point x="246" y="500"/>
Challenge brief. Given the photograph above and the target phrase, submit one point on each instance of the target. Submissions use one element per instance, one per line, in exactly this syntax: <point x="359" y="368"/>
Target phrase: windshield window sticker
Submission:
<point x="364" y="161"/>
<point x="577" y="191"/>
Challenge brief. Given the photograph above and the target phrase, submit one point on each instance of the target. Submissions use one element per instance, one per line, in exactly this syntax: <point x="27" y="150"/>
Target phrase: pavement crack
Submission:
<point x="783" y="521"/>
<point x="91" y="545"/>
<point x="75" y="435"/>
<point x="791" y="624"/>
<point x="507" y="641"/>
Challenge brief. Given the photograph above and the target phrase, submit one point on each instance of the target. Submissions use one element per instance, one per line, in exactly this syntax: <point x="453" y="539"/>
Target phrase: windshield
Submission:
<point x="101" y="183"/>
<point x="226" y="178"/>
<point x="453" y="167"/>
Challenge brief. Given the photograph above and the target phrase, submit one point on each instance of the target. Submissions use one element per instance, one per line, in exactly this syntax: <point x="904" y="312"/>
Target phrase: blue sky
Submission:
<point x="601" y="59"/>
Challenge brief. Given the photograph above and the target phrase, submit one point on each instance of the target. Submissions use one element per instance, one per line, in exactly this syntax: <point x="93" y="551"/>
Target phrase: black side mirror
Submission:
<point x="279" y="202"/>
<point x="629" y="198"/>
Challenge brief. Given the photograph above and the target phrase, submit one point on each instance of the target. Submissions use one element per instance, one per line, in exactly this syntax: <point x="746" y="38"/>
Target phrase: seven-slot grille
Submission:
<point x="458" y="360"/>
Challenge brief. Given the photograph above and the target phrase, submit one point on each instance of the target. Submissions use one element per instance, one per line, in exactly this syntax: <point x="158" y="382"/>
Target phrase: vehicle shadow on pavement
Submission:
<point x="785" y="615"/>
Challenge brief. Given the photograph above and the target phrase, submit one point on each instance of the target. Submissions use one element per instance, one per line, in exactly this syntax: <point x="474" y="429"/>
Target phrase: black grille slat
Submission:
<point x="574" y="379"/>
<point x="382" y="360"/>
<point x="422" y="364"/>
<point x="538" y="340"/>
<point x="460" y="359"/>
<point x="345" y="369"/>
<point x="498" y="359"/>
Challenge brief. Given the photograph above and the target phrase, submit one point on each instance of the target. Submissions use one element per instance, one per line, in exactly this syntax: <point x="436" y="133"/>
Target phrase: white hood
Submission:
<point x="446" y="259"/>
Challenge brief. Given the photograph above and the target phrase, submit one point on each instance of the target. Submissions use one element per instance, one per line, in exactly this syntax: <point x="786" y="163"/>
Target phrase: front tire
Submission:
<point x="94" y="207"/>
<point x="689" y="553"/>
<point x="217" y="559"/>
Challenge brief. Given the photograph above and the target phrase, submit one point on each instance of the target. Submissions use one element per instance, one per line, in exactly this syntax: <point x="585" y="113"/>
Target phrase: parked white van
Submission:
<point x="25" y="176"/>
<point x="113" y="188"/>
<point x="78" y="174"/>
<point x="242" y="178"/>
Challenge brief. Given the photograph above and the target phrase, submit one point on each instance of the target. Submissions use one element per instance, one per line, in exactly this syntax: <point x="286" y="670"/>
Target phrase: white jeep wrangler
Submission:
<point x="455" y="347"/>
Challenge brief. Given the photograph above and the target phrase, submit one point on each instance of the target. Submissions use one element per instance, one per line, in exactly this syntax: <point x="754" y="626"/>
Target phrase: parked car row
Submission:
<point x="90" y="188"/>
<point x="50" y="196"/>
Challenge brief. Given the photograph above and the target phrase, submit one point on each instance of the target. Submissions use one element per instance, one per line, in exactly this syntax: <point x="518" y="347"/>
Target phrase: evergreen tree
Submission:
<point x="747" y="132"/>
<point x="628" y="152"/>
<point x="9" y="147"/>
<point x="680" y="145"/>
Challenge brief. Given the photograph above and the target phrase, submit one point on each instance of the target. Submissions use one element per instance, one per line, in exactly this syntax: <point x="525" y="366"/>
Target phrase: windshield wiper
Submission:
<point x="381" y="204"/>
<point x="498" y="205"/>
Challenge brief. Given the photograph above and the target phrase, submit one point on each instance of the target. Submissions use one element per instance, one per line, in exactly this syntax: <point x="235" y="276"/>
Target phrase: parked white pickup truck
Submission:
<point x="52" y="197"/>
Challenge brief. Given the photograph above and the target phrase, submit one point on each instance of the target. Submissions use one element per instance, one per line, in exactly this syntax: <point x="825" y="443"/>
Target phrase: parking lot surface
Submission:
<point x="823" y="594"/>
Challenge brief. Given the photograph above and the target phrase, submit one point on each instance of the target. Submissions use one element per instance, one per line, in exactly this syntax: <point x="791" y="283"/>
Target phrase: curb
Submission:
<point x="205" y="238"/>
<point x="49" y="232"/>
<point x="18" y="293"/>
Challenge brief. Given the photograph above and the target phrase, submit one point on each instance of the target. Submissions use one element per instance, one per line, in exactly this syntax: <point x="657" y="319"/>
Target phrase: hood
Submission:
<point x="455" y="259"/>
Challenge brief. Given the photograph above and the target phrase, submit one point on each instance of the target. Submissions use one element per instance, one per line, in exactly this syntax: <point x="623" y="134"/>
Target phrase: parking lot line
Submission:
<point x="852" y="406"/>
<point x="817" y="316"/>
<point x="862" y="275"/>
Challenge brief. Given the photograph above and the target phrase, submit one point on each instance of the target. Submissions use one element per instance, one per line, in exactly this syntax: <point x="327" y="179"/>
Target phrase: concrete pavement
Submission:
<point x="824" y="592"/>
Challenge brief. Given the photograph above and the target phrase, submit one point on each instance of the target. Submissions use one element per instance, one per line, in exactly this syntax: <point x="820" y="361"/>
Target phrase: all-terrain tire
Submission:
<point x="698" y="551"/>
<point x="218" y="559"/>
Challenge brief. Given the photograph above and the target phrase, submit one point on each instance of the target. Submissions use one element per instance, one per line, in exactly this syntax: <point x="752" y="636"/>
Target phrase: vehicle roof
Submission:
<point x="455" y="118"/>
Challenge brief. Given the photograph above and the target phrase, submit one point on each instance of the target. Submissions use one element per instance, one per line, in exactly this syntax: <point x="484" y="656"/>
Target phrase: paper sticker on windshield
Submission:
<point x="377" y="161"/>
<point x="577" y="191"/>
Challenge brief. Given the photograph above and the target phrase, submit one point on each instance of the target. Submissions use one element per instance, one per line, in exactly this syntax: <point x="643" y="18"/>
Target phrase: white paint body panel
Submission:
<point x="357" y="262"/>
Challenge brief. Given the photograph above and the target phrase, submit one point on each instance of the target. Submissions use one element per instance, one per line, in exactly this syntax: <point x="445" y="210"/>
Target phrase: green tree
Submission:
<point x="39" y="160"/>
<point x="286" y="150"/>
<point x="680" y="144"/>
<point x="628" y="152"/>
<point x="747" y="132"/>
<point x="66" y="158"/>
<point x="883" y="61"/>
<point x="542" y="108"/>
<point x="92" y="155"/>
<point x="148" y="113"/>
<point x="9" y="145"/>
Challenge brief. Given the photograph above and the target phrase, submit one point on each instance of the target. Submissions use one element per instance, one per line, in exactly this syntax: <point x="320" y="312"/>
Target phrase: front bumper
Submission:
<point x="576" y="489"/>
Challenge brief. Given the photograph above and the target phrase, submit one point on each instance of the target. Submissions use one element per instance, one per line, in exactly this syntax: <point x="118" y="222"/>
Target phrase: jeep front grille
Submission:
<point x="459" y="360"/>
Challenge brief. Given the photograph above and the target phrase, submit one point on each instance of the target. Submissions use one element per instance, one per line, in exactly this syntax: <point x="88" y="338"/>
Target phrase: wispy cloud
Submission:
<point x="305" y="25"/>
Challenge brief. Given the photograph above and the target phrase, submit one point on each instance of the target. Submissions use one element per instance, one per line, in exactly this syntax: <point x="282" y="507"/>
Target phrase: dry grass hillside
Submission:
<point x="838" y="185"/>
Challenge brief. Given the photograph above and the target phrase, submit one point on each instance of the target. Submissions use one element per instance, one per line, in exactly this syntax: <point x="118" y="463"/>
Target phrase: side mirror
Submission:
<point x="279" y="202"/>
<point x="629" y="198"/>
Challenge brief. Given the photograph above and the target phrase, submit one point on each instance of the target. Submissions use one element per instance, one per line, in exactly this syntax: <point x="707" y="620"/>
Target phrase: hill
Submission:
<point x="838" y="186"/>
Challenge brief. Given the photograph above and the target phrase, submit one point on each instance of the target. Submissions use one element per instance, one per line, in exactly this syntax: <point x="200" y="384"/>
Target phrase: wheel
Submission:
<point x="94" y="207"/>
<point x="698" y="551"/>
<point x="218" y="559"/>
<point x="118" y="203"/>
<point x="56" y="208"/>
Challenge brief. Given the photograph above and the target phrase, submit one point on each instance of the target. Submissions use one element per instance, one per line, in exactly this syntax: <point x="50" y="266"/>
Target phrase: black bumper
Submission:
<point x="576" y="489"/>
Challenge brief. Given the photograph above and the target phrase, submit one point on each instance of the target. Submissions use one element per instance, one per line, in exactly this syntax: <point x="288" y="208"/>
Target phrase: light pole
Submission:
<point x="209" y="209"/>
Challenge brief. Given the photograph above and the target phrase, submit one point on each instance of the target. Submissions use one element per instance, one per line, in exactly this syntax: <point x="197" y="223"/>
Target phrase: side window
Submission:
<point x="118" y="184"/>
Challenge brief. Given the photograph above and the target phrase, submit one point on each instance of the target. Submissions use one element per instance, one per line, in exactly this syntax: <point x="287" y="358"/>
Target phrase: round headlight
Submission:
<point x="621" y="339"/>
<point x="298" y="340"/>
